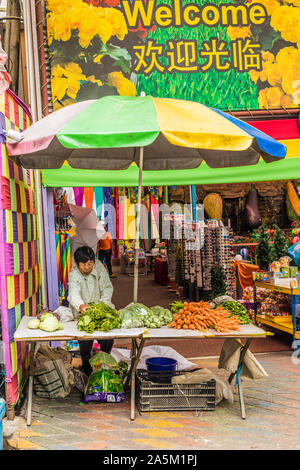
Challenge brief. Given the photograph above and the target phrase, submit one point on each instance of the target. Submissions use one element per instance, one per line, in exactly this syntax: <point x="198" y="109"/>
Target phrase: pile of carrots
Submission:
<point x="200" y="316"/>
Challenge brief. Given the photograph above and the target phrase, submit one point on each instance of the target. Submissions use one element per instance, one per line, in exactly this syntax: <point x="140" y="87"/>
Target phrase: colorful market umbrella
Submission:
<point x="157" y="133"/>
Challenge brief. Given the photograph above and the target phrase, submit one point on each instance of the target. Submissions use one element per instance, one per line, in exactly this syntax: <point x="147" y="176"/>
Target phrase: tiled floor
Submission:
<point x="272" y="410"/>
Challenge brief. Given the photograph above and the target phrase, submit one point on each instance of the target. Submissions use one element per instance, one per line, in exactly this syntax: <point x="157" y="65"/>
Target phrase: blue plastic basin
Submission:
<point x="161" y="364"/>
<point x="161" y="369"/>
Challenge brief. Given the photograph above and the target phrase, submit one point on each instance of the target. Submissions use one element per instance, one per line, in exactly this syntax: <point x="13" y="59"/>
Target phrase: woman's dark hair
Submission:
<point x="83" y="254"/>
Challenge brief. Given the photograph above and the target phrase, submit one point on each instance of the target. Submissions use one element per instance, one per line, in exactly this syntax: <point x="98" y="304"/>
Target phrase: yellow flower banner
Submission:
<point x="228" y="55"/>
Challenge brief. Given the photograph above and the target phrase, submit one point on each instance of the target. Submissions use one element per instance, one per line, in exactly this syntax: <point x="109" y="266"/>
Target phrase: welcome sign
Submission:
<point x="228" y="55"/>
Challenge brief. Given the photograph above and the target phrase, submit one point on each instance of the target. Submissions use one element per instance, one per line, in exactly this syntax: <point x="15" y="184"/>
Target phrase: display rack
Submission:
<point x="204" y="246"/>
<point x="288" y="325"/>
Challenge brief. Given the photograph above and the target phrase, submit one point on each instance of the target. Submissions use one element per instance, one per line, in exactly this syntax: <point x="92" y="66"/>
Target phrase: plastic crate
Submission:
<point x="152" y="396"/>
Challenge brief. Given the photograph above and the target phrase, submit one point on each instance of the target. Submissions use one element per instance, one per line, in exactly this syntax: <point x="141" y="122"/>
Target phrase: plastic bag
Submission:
<point x="105" y="383"/>
<point x="153" y="351"/>
<point x="65" y="314"/>
<point x="164" y="314"/>
<point x="130" y="319"/>
<point x="103" y="358"/>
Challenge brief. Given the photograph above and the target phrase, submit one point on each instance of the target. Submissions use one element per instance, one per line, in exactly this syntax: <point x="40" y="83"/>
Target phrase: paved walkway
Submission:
<point x="272" y="408"/>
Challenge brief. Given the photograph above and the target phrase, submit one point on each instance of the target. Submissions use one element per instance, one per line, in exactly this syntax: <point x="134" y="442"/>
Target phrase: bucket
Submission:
<point x="161" y="369"/>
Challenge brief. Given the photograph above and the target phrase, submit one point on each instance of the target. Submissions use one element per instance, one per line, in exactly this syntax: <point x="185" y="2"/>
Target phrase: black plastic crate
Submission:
<point x="158" y="396"/>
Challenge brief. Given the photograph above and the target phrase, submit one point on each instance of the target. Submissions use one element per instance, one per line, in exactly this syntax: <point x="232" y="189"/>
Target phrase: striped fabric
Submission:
<point x="20" y="276"/>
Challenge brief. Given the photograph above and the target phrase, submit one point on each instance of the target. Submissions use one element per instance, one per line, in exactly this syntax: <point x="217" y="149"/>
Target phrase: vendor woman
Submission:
<point x="88" y="282"/>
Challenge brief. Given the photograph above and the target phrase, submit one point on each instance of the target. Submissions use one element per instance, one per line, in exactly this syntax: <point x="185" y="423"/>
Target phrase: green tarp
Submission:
<point x="286" y="169"/>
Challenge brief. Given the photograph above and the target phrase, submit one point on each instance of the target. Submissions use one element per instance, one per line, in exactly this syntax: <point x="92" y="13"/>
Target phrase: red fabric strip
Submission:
<point x="278" y="129"/>
<point x="17" y="289"/>
<point x="26" y="285"/>
<point x="5" y="202"/>
<point x="18" y="196"/>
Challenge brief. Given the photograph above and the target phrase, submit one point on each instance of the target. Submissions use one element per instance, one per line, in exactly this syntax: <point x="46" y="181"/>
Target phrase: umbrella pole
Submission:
<point x="138" y="223"/>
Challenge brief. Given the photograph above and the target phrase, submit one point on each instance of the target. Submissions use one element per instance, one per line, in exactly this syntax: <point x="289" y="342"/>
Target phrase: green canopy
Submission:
<point x="288" y="168"/>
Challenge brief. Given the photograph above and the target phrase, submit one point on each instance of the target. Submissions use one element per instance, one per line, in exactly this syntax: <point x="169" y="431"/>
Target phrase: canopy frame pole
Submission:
<point x="138" y="223"/>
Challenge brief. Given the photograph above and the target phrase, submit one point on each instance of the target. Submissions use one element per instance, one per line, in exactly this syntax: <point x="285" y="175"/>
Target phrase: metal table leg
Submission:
<point x="241" y="397"/>
<point x="239" y="382"/>
<point x="138" y="355"/>
<point x="30" y="386"/>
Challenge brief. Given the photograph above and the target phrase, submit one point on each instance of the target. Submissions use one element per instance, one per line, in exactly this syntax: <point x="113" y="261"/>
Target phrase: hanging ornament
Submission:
<point x="244" y="253"/>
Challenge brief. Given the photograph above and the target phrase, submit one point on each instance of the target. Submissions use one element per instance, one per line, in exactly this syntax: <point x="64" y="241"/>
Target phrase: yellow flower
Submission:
<point x="287" y="56"/>
<point x="267" y="56"/>
<point x="286" y="101"/>
<point x="57" y="71"/>
<point x="267" y="60"/>
<point x="274" y="74"/>
<point x="75" y="15"/>
<point x="73" y="71"/>
<point x="61" y="28"/>
<point x="66" y="80"/>
<point x="97" y="58"/>
<point x="291" y="79"/>
<point x="270" y="5"/>
<point x="262" y="98"/>
<point x="104" y="30"/>
<point x="270" y="97"/>
<point x="88" y="27"/>
<point x="117" y="22"/>
<point x="73" y="88"/>
<point x="59" y="86"/>
<point x="254" y="75"/>
<point x="236" y="32"/>
<point x="94" y="80"/>
<point x="286" y="19"/>
<point x="59" y="6"/>
<point x="124" y="86"/>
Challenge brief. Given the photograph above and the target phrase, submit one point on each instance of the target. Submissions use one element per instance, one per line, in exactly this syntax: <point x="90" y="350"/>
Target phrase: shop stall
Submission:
<point x="138" y="337"/>
<point x="77" y="137"/>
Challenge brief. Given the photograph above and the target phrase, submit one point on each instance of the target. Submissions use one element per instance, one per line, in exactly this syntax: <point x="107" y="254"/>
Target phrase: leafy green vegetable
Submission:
<point x="237" y="309"/>
<point x="176" y="306"/>
<point x="100" y="317"/>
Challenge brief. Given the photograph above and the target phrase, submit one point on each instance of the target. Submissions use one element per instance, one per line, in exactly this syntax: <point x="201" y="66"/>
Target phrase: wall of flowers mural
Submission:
<point x="98" y="49"/>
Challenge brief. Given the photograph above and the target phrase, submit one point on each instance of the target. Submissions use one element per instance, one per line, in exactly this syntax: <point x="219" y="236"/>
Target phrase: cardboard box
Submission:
<point x="293" y="270"/>
<point x="285" y="272"/>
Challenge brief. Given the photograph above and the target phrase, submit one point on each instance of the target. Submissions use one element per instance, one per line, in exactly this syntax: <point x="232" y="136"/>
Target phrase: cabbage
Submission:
<point x="34" y="323"/>
<point x="46" y="315"/>
<point x="50" y="323"/>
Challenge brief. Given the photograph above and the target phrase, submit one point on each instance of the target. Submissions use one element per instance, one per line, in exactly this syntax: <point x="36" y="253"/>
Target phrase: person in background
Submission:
<point x="105" y="250"/>
<point x="88" y="282"/>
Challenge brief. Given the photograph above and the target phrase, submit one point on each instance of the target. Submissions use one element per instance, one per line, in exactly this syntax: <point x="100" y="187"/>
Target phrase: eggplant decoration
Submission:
<point x="252" y="216"/>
